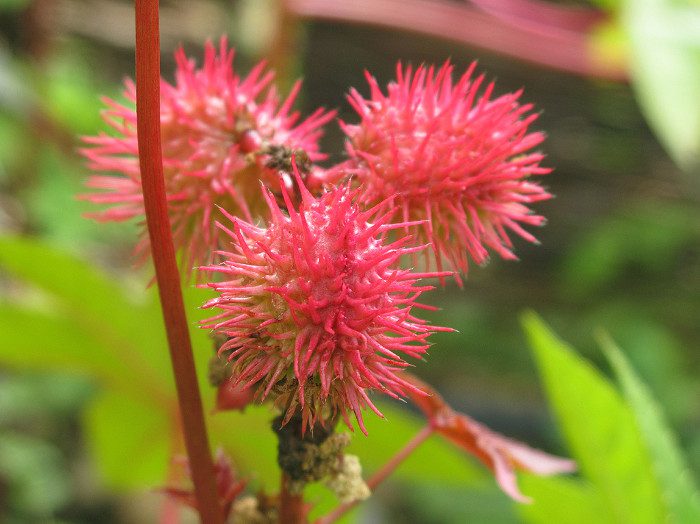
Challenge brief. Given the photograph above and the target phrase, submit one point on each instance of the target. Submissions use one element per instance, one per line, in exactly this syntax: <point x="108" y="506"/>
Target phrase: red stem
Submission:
<point x="380" y="475"/>
<point x="167" y="275"/>
<point x="549" y="46"/>
<point x="292" y="510"/>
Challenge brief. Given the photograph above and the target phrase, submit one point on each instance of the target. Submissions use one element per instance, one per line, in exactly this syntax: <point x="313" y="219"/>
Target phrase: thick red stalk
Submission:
<point x="291" y="507"/>
<point x="542" y="44"/>
<point x="381" y="474"/>
<point x="167" y="275"/>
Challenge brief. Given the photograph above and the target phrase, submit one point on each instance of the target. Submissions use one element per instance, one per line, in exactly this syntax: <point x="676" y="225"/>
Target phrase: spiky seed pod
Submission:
<point x="315" y="309"/>
<point x="457" y="160"/>
<point x="221" y="134"/>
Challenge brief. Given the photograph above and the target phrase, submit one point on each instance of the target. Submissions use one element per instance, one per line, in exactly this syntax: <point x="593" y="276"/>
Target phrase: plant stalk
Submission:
<point x="291" y="505"/>
<point x="163" y="252"/>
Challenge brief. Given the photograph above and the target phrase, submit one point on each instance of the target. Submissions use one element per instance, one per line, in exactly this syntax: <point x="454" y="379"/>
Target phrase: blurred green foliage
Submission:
<point x="678" y="486"/>
<point x="631" y="467"/>
<point x="596" y="423"/>
<point x="647" y="239"/>
<point x="664" y="38"/>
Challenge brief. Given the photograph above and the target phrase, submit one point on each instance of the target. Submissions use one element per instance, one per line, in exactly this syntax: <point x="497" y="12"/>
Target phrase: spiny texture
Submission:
<point x="446" y="156"/>
<point x="315" y="311"/>
<point x="221" y="134"/>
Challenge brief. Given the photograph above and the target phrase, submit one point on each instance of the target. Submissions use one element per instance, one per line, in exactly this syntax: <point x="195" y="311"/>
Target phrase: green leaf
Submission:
<point x="679" y="488"/>
<point x="559" y="499"/>
<point x="665" y="62"/>
<point x="610" y="6"/>
<point x="38" y="341"/>
<point x="34" y="477"/>
<point x="650" y="238"/>
<point x="250" y="442"/>
<point x="125" y="320"/>
<point x="324" y="501"/>
<point x="59" y="178"/>
<point x="69" y="85"/>
<point x="80" y="285"/>
<point x="202" y="343"/>
<point x="599" y="428"/>
<point x="130" y="440"/>
<point x="13" y="5"/>
<point x="435" y="502"/>
<point x="41" y="397"/>
<point x="15" y="145"/>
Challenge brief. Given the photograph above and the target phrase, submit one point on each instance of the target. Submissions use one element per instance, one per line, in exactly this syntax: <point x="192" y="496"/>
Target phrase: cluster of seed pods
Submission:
<point x="315" y="301"/>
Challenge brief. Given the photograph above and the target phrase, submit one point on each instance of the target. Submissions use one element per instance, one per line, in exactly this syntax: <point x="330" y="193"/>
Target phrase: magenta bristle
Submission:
<point x="325" y="280"/>
<point x="204" y="162"/>
<point x="443" y="153"/>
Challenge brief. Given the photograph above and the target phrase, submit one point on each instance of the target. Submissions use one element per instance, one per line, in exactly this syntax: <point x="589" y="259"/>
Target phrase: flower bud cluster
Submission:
<point x="313" y="304"/>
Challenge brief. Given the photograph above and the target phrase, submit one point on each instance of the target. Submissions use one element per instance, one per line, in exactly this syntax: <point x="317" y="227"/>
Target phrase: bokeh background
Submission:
<point x="621" y="250"/>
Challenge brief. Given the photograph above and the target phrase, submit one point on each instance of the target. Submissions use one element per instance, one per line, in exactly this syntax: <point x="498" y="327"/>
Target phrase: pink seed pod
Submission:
<point x="455" y="160"/>
<point x="219" y="134"/>
<point x="314" y="307"/>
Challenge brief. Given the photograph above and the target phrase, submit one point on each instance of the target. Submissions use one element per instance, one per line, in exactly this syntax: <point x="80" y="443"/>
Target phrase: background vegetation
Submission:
<point x="86" y="401"/>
